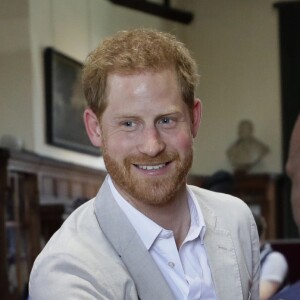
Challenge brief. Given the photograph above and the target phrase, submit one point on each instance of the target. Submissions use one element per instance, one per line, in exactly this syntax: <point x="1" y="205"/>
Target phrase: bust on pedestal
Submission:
<point x="247" y="150"/>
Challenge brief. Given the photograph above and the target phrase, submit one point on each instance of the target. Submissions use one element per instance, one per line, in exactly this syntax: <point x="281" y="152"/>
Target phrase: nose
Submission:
<point x="151" y="142"/>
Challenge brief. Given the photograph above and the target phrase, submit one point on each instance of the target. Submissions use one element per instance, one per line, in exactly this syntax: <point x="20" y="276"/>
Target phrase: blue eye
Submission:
<point x="128" y="124"/>
<point x="165" y="120"/>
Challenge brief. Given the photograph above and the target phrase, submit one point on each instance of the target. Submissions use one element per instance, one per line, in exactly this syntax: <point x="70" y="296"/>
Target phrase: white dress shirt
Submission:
<point x="186" y="271"/>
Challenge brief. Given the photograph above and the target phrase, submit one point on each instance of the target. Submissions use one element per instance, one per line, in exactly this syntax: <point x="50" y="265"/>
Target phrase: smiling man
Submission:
<point x="147" y="234"/>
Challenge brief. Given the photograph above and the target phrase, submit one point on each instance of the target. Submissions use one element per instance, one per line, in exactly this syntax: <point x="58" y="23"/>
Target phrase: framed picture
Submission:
<point x="65" y="104"/>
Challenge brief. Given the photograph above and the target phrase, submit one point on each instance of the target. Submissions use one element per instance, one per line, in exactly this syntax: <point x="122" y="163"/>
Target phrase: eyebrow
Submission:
<point x="129" y="115"/>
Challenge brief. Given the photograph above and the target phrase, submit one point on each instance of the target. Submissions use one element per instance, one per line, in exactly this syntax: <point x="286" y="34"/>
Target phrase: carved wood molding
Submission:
<point x="163" y="10"/>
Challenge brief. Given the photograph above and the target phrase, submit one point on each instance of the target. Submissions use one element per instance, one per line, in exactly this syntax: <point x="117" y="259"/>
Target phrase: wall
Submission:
<point x="15" y="71"/>
<point x="235" y="43"/>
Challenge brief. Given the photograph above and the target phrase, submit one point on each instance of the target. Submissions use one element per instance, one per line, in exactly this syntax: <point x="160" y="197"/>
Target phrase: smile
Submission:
<point x="148" y="168"/>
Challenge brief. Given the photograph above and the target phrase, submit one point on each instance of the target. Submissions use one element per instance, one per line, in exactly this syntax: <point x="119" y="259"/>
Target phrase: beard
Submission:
<point x="153" y="190"/>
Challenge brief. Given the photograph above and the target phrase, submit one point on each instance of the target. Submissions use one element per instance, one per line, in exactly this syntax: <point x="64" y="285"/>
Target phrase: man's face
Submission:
<point x="147" y="136"/>
<point x="293" y="170"/>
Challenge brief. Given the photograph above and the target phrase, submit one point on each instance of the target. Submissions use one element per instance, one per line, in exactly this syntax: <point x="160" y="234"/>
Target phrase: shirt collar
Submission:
<point x="198" y="227"/>
<point x="148" y="230"/>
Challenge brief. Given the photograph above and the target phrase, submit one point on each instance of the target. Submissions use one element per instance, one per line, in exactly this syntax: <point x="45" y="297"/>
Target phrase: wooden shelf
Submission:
<point x="34" y="193"/>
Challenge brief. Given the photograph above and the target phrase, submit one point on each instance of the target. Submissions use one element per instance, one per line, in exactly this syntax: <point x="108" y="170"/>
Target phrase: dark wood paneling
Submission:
<point x="36" y="195"/>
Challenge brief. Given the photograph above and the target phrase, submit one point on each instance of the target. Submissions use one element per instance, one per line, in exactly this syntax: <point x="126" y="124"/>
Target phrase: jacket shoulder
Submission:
<point x="78" y="263"/>
<point x="217" y="200"/>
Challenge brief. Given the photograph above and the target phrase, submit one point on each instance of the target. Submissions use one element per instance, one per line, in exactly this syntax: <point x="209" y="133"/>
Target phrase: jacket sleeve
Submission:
<point x="69" y="278"/>
<point x="255" y="261"/>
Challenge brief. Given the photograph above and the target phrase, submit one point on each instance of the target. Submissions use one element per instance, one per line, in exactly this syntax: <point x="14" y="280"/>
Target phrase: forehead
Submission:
<point x="143" y="88"/>
<point x="117" y="79"/>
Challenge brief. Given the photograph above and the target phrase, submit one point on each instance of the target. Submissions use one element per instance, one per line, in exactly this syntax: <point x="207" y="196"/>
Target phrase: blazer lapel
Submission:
<point x="117" y="228"/>
<point x="222" y="258"/>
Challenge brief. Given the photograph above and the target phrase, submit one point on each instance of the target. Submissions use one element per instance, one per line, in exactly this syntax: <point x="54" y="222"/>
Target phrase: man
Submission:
<point x="293" y="170"/>
<point x="147" y="235"/>
<point x="274" y="266"/>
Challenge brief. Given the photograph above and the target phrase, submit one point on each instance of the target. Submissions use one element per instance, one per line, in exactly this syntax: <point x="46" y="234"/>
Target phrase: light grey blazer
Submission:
<point x="97" y="254"/>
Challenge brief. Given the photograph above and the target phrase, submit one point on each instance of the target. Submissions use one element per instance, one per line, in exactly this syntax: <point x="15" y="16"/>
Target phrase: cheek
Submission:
<point x="118" y="145"/>
<point x="183" y="142"/>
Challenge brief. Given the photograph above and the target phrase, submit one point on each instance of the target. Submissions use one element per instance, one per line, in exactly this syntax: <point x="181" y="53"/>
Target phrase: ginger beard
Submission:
<point x="153" y="190"/>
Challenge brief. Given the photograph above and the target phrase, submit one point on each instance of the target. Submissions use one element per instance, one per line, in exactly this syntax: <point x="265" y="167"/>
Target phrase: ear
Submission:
<point x="92" y="127"/>
<point x="197" y="116"/>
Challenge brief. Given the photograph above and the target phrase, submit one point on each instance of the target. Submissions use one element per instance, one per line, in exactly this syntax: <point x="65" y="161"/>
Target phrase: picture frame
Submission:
<point x="65" y="103"/>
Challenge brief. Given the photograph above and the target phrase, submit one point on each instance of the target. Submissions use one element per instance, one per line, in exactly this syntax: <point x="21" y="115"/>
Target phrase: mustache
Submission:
<point x="143" y="159"/>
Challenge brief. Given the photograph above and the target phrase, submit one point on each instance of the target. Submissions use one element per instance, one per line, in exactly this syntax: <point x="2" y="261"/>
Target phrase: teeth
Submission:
<point x="152" y="167"/>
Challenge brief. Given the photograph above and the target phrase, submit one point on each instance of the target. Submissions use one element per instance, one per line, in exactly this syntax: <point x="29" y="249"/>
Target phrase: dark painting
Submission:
<point x="65" y="104"/>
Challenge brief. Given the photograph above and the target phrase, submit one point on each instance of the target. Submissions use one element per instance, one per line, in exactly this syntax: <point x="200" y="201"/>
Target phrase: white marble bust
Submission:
<point x="247" y="150"/>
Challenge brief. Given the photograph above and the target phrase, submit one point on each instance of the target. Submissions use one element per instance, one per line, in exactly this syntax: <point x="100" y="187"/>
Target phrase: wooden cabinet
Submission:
<point x="36" y="194"/>
<point x="263" y="194"/>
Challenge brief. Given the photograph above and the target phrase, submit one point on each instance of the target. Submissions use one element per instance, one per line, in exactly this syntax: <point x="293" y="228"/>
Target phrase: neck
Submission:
<point x="174" y="215"/>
